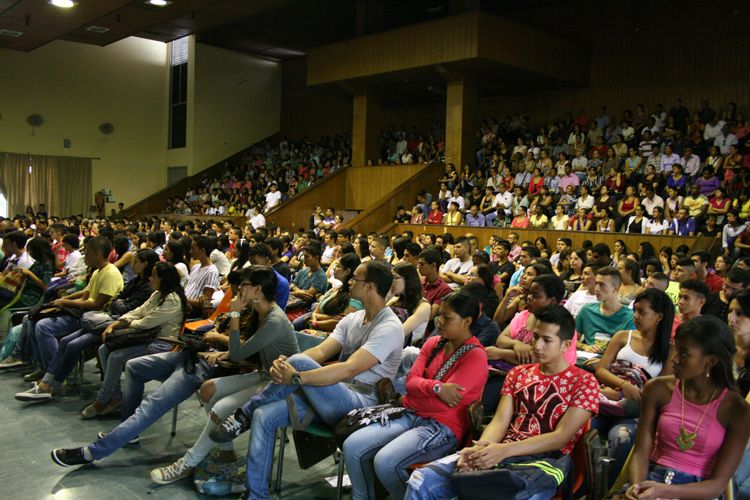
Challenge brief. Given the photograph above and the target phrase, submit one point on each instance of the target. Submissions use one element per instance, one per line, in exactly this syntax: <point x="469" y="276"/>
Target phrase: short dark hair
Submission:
<point x="686" y="262"/>
<point x="99" y="244"/>
<point x="601" y="249"/>
<point x="378" y="274"/>
<point x="552" y="285"/>
<point x="661" y="277"/>
<point x="704" y="257"/>
<point x="260" y="250"/>
<point x="18" y="238"/>
<point x="556" y="314"/>
<point x="71" y="240"/>
<point x="413" y="248"/>
<point x="567" y="241"/>
<point x="432" y="255"/>
<point x="205" y="243"/>
<point x="736" y="275"/>
<point x="313" y="249"/>
<point x="532" y="251"/>
<point x="696" y="286"/>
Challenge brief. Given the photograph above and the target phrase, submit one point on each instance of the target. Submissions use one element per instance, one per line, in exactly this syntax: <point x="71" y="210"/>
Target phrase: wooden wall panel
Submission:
<point x="442" y="40"/>
<point x="309" y="111"/>
<point x="381" y="213"/>
<point x="483" y="234"/>
<point x="367" y="185"/>
<point x="295" y="213"/>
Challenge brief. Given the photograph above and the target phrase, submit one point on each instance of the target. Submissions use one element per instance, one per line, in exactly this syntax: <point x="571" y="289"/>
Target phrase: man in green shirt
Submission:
<point x="606" y="316"/>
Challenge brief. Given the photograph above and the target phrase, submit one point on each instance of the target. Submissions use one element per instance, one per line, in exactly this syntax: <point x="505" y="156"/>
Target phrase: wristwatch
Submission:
<point x="436" y="388"/>
<point x="296" y="379"/>
<point x="234" y="314"/>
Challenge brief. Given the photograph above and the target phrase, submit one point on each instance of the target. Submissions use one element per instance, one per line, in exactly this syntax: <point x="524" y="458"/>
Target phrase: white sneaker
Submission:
<point x="11" y="362"/>
<point x="34" y="394"/>
<point x="172" y="472"/>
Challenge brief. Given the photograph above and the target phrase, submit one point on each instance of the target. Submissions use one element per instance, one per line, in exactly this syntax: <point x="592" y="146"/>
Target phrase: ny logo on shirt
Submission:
<point x="539" y="409"/>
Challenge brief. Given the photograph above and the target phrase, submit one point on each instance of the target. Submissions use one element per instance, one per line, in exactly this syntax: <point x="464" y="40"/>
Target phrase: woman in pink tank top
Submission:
<point x="693" y="427"/>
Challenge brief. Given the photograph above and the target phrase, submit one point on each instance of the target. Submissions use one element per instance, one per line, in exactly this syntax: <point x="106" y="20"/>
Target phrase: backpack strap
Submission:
<point x="448" y="362"/>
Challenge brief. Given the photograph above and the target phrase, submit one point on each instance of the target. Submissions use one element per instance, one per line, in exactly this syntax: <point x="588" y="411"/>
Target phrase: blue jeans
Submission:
<point x="14" y="334"/>
<point x="387" y="451"/>
<point x="113" y="363"/>
<point x="23" y="348"/>
<point x="742" y="475"/>
<point x="65" y="358"/>
<point x="177" y="385"/>
<point x="428" y="484"/>
<point x="269" y="411"/>
<point x="45" y="335"/>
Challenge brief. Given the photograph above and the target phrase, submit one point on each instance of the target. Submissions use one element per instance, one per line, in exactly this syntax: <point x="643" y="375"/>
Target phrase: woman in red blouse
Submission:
<point x="436" y="215"/>
<point x="536" y="182"/>
<point x="436" y="423"/>
<point x="521" y="220"/>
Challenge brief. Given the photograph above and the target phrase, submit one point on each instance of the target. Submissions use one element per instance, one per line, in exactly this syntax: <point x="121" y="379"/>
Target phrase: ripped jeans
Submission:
<point x="621" y="437"/>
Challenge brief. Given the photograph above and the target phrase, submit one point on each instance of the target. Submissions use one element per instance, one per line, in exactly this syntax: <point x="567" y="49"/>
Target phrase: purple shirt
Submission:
<point x="568" y="180"/>
<point x="708" y="185"/>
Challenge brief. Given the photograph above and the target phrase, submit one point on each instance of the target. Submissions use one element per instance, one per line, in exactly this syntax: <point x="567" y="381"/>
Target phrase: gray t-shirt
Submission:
<point x="274" y="338"/>
<point x="383" y="337"/>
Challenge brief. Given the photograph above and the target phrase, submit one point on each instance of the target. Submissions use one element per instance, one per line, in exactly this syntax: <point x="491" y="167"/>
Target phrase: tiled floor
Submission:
<point x="30" y="431"/>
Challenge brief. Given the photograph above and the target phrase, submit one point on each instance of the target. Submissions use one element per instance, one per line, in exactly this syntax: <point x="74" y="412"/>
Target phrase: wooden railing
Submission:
<point x="632" y="241"/>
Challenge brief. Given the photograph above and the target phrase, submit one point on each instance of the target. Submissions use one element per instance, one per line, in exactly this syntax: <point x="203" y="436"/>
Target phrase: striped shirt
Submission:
<point x="201" y="278"/>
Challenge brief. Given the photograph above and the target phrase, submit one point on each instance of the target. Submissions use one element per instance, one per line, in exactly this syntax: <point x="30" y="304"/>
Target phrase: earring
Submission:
<point x="255" y="301"/>
<point x="708" y="374"/>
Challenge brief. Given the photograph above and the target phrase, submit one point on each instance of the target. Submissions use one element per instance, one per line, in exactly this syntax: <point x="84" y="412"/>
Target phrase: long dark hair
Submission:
<point x="412" y="294"/>
<point x="660" y="303"/>
<point x="150" y="258"/>
<point x="720" y="343"/>
<point x="170" y="283"/>
<point x="340" y="301"/>
<point x="41" y="251"/>
<point x="243" y="254"/>
<point x="177" y="249"/>
<point x="465" y="304"/>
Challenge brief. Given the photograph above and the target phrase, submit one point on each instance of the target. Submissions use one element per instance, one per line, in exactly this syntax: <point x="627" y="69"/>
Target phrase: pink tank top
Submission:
<point x="698" y="460"/>
<point x="518" y="331"/>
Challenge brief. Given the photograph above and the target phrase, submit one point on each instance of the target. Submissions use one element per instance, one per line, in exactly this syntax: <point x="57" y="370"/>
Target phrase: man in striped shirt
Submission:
<point x="203" y="280"/>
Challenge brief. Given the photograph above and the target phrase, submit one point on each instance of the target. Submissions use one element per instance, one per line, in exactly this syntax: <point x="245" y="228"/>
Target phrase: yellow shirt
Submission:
<point x="107" y="281"/>
<point x="452" y="219"/>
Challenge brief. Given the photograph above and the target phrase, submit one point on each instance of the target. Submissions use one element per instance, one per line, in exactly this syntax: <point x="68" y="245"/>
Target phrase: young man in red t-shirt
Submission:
<point x="544" y="409"/>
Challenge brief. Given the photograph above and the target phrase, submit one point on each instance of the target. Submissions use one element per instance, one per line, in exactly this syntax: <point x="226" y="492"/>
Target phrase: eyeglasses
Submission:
<point x="397" y="277"/>
<point x="357" y="279"/>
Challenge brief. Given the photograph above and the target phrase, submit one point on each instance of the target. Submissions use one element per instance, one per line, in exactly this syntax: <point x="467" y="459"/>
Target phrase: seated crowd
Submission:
<point x="662" y="172"/>
<point x="263" y="176"/>
<point x="651" y="351"/>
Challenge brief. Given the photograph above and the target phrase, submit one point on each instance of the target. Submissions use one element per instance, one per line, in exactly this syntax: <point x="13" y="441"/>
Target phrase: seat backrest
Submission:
<point x="475" y="413"/>
<point x="223" y="305"/>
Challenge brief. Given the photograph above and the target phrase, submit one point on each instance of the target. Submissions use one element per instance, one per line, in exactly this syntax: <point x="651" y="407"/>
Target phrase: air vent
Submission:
<point x="10" y="33"/>
<point x="97" y="29"/>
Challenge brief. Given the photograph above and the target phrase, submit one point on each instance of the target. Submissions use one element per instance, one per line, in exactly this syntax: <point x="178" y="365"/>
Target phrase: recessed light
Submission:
<point x="97" y="29"/>
<point x="63" y="4"/>
<point x="158" y="3"/>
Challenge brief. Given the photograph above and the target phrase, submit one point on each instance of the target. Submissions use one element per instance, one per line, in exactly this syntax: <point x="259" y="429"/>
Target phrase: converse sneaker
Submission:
<point x="101" y="435"/>
<point x="11" y="362"/>
<point x="34" y="394"/>
<point x="68" y="457"/>
<point x="229" y="429"/>
<point x="171" y="473"/>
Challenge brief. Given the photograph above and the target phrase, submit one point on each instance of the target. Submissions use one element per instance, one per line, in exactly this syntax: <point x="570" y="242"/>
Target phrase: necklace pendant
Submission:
<point x="685" y="440"/>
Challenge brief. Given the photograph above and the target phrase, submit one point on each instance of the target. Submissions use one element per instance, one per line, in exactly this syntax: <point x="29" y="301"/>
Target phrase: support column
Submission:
<point x="366" y="128"/>
<point x="460" y="122"/>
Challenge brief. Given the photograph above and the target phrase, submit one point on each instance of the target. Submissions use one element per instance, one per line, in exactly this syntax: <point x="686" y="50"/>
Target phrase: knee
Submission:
<point x="207" y="391"/>
<point x="302" y="362"/>
<point x="132" y="367"/>
<point x="620" y="435"/>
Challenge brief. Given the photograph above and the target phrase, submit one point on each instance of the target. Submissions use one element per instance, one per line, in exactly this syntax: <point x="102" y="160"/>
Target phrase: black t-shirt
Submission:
<point x="743" y="378"/>
<point x="507" y="268"/>
<point x="715" y="307"/>
<point x="283" y="269"/>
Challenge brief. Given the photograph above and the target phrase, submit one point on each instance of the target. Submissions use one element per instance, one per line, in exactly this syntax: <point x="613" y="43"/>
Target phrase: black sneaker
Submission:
<point x="229" y="429"/>
<point x="68" y="457"/>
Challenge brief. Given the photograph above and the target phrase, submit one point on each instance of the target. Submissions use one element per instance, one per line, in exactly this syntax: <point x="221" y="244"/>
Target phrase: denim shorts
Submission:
<point x="668" y="475"/>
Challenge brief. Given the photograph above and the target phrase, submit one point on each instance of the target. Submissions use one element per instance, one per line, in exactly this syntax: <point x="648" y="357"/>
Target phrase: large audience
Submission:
<point x="394" y="340"/>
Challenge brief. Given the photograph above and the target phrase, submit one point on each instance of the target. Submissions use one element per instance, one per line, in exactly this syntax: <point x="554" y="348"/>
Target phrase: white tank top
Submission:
<point x="628" y="354"/>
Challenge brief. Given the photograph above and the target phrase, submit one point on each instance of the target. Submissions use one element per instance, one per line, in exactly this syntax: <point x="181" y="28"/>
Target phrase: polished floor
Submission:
<point x="30" y="431"/>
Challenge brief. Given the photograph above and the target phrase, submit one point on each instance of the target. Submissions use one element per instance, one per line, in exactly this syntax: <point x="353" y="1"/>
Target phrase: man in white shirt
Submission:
<point x="725" y="139"/>
<point x="454" y="271"/>
<point x="14" y="246"/>
<point x="585" y="294"/>
<point x="273" y="197"/>
<point x="648" y="145"/>
<point x="651" y="200"/>
<point x="713" y="129"/>
<point x="503" y="202"/>
<point x="258" y="220"/>
<point x="668" y="159"/>
<point x="691" y="163"/>
<point x="203" y="280"/>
